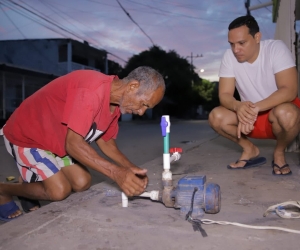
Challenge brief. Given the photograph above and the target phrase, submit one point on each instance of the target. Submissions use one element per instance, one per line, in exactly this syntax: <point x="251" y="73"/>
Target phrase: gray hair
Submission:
<point x="149" y="79"/>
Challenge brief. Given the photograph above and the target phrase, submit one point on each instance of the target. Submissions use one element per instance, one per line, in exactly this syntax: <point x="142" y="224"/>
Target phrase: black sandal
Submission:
<point x="28" y="204"/>
<point x="274" y="165"/>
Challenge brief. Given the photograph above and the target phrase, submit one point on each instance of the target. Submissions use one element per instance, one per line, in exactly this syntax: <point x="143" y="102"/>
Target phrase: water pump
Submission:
<point x="193" y="195"/>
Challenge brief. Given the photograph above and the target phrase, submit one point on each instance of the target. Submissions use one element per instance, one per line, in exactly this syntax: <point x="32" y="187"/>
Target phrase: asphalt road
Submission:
<point x="140" y="141"/>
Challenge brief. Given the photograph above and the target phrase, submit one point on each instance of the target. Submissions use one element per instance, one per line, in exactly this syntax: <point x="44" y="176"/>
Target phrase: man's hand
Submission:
<point x="246" y="113"/>
<point x="244" y="129"/>
<point x="141" y="173"/>
<point x="248" y="127"/>
<point x="133" y="181"/>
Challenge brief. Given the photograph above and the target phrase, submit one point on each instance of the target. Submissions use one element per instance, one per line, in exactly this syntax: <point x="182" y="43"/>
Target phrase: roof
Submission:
<point x="55" y="39"/>
<point x="26" y="71"/>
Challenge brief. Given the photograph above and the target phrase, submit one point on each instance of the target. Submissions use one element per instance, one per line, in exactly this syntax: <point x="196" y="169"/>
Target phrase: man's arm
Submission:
<point x="226" y="92"/>
<point x="243" y="110"/>
<point x="287" y="85"/>
<point x="80" y="150"/>
<point x="111" y="150"/>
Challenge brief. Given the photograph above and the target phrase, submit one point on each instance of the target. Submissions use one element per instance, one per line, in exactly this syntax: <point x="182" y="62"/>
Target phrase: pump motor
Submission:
<point x="207" y="198"/>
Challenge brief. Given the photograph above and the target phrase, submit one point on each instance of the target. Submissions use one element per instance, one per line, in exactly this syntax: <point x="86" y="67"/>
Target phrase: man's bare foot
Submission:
<point x="246" y="155"/>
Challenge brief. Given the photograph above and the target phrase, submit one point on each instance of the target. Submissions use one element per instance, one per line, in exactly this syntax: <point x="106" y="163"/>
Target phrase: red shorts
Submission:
<point x="262" y="126"/>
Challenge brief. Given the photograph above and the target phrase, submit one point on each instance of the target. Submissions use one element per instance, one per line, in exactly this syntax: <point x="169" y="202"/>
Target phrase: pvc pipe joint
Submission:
<point x="175" y="157"/>
<point x="153" y="195"/>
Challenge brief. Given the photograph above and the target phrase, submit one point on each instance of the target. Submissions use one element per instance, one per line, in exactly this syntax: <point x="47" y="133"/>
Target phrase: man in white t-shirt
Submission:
<point x="265" y="76"/>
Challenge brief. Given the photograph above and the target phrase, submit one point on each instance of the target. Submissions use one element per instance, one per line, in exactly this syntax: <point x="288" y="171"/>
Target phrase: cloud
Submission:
<point x="186" y="26"/>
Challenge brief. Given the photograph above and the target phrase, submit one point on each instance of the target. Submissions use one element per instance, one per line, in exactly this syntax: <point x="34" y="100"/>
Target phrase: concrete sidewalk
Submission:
<point x="91" y="220"/>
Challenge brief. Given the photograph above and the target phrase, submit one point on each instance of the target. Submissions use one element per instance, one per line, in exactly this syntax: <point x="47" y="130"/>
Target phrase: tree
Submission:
<point x="177" y="74"/>
<point x="114" y="68"/>
<point x="214" y="101"/>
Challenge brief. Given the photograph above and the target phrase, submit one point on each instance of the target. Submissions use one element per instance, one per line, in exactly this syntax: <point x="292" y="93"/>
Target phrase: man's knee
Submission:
<point x="216" y="117"/>
<point x="286" y="115"/>
<point x="78" y="176"/>
<point x="213" y="116"/>
<point x="82" y="183"/>
<point x="59" y="191"/>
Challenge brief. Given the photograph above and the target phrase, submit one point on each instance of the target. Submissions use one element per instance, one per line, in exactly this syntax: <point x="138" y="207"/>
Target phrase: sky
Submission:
<point x="128" y="27"/>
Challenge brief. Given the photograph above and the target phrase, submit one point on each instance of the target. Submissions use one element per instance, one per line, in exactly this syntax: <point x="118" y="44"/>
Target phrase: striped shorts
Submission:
<point x="36" y="164"/>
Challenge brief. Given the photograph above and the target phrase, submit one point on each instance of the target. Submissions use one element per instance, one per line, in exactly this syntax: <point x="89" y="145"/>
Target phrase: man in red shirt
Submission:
<point x="49" y="135"/>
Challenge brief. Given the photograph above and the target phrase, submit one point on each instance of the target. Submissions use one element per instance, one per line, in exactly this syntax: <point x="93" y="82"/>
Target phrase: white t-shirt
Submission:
<point x="256" y="81"/>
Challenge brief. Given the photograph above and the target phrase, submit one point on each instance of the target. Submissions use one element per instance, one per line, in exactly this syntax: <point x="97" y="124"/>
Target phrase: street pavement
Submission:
<point x="93" y="220"/>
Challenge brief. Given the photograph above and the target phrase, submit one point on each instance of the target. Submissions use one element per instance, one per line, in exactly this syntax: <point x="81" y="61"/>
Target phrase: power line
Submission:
<point x="58" y="26"/>
<point x="134" y="22"/>
<point x="192" y="56"/>
<point x="55" y="13"/>
<point x="34" y="20"/>
<point x="12" y="21"/>
<point x="169" y="12"/>
<point x="63" y="14"/>
<point x="47" y="20"/>
<point x="31" y="44"/>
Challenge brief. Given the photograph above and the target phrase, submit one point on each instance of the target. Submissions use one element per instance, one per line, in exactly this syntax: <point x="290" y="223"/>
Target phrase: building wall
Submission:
<point x="285" y="24"/>
<point x="39" y="55"/>
<point x="16" y="85"/>
<point x="52" y="56"/>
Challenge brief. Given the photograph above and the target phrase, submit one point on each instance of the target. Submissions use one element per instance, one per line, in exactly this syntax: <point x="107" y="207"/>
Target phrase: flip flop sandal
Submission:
<point x="254" y="162"/>
<point x="274" y="165"/>
<point x="28" y="204"/>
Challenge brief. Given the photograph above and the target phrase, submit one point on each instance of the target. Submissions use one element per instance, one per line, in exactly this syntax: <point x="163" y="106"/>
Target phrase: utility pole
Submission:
<point x="192" y="56"/>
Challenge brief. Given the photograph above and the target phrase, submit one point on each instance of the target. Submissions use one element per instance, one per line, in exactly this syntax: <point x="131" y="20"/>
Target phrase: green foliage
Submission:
<point x="214" y="101"/>
<point x="205" y="89"/>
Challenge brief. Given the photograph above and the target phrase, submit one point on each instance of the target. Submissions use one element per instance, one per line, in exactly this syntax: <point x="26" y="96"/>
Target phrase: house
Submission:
<point x="16" y="84"/>
<point x="27" y="65"/>
<point x="53" y="56"/>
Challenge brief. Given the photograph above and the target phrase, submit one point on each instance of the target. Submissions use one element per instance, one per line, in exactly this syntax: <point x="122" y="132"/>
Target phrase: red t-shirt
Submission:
<point x="79" y="100"/>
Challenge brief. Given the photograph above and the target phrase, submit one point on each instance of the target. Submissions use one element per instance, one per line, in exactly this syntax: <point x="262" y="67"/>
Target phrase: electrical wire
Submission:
<point x="63" y="14"/>
<point x="176" y="14"/>
<point x="31" y="18"/>
<point x="40" y="13"/>
<point x="8" y="17"/>
<point x="30" y="44"/>
<point x="135" y="22"/>
<point x="197" y="222"/>
<point x="56" y="25"/>
<point x="209" y="222"/>
<point x="46" y="19"/>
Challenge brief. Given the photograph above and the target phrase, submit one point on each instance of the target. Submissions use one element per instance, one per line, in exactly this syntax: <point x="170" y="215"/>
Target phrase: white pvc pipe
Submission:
<point x="145" y="194"/>
<point x="153" y="195"/>
<point x="166" y="161"/>
<point x="124" y="200"/>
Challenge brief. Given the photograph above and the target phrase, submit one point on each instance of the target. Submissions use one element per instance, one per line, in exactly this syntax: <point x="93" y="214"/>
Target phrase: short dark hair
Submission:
<point x="249" y="21"/>
<point x="149" y="79"/>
